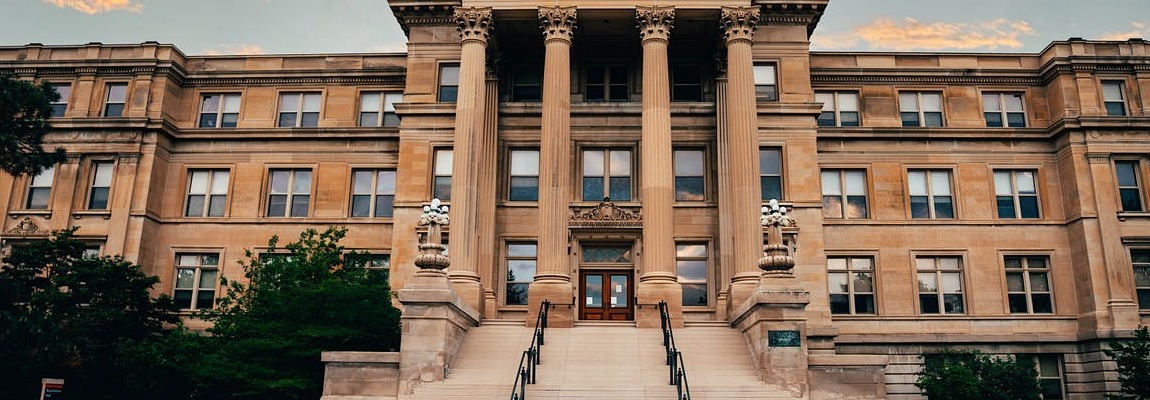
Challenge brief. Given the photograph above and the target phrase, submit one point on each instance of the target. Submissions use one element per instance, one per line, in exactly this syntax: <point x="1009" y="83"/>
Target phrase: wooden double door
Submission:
<point x="607" y="295"/>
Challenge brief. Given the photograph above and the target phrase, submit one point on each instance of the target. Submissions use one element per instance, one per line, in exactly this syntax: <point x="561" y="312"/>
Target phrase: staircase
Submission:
<point x="600" y="361"/>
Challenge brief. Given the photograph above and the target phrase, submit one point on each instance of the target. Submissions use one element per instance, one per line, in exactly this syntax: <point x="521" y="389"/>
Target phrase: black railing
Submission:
<point x="530" y="358"/>
<point x="675" y="365"/>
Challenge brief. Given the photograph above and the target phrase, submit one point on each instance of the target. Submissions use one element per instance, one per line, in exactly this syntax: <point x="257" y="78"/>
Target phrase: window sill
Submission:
<point x="1124" y="215"/>
<point x="92" y="213"/>
<point x="694" y="204"/>
<point x="519" y="204"/>
<point x="47" y="214"/>
<point x="951" y="317"/>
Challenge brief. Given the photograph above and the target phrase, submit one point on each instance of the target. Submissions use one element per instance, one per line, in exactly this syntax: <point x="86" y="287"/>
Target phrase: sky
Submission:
<point x="201" y="27"/>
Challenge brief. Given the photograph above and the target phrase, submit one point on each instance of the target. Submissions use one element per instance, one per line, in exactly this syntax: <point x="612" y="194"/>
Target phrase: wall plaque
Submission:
<point x="784" y="339"/>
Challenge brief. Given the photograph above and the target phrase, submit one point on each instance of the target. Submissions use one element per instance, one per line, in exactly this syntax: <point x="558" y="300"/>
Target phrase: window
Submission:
<point x="378" y="109"/>
<point x="1049" y="368"/>
<point x="1028" y="284"/>
<point x="940" y="285"/>
<point x="373" y="192"/>
<point x="1114" y="97"/>
<point x="1129" y="189"/>
<point x="101" y="185"/>
<point x="299" y="110"/>
<point x="686" y="83"/>
<point x="690" y="183"/>
<point x="196" y="281"/>
<point x="844" y="193"/>
<point x="839" y="108"/>
<point x="1016" y="194"/>
<point x="1140" y="259"/>
<point x="930" y="194"/>
<point x="691" y="262"/>
<point x="520" y="271"/>
<point x="40" y="190"/>
<point x="91" y="251"/>
<point x="766" y="85"/>
<point x="448" y="82"/>
<point x="606" y="83"/>
<point x="527" y="83"/>
<point x="207" y="193"/>
<point x="920" y="109"/>
<point x="114" y="99"/>
<point x="524" y="185"/>
<point x="1003" y="110"/>
<point x="607" y="173"/>
<point x="771" y="172"/>
<point x="289" y="192"/>
<point x="378" y="265"/>
<point x="851" y="284"/>
<point x="220" y="110"/>
<point x="441" y="181"/>
<point x="61" y="105"/>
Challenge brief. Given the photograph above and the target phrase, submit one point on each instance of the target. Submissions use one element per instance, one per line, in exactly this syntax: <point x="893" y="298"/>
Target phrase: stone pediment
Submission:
<point x="26" y="227"/>
<point x="605" y="215"/>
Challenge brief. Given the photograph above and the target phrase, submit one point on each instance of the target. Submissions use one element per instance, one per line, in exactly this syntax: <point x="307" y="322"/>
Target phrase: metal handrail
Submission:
<point x="678" y="371"/>
<point x="526" y="373"/>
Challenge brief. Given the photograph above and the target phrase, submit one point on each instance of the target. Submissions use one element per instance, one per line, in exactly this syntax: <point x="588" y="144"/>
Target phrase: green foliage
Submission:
<point x="24" y="112"/>
<point x="65" y="316"/>
<point x="969" y="374"/>
<point x="1133" y="358"/>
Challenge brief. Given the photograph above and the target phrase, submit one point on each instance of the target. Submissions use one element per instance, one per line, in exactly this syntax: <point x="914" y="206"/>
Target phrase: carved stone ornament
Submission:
<point x="606" y="215"/>
<point x="777" y="259"/>
<point x="431" y="255"/>
<point x="738" y="23"/>
<point x="557" y="22"/>
<point x="25" y="227"/>
<point x="655" y="22"/>
<point x="474" y="23"/>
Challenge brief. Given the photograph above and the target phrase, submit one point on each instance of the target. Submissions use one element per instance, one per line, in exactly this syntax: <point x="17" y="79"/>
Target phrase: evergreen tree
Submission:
<point x="1133" y="358"/>
<point x="24" y="112"/>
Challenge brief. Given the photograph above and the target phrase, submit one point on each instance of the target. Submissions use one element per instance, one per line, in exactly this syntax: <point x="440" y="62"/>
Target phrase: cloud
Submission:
<point x="97" y="6"/>
<point x="910" y="34"/>
<point x="234" y="49"/>
<point x="1137" y="30"/>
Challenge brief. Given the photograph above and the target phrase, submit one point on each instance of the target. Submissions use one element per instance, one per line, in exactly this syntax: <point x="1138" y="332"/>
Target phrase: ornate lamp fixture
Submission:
<point x="431" y="258"/>
<point x="777" y="260"/>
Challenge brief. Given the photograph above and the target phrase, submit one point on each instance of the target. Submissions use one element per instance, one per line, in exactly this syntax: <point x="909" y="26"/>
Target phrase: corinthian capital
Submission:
<point x="557" y="22"/>
<point x="474" y="23"/>
<point x="655" y="22"/>
<point x="739" y="23"/>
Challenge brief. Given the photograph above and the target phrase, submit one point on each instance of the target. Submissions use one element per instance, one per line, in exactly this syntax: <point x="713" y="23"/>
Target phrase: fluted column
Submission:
<point x="726" y="238"/>
<point x="474" y="25"/>
<point x="488" y="180"/>
<point x="738" y="25"/>
<point x="553" y="273"/>
<point x="658" y="280"/>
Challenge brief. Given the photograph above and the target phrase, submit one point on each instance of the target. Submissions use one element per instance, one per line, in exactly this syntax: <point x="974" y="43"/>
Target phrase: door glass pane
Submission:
<point x="593" y="293"/>
<point x="619" y="291"/>
<point x="607" y="254"/>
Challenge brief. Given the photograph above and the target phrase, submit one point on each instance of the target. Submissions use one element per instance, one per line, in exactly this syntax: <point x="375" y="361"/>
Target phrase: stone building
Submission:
<point x="606" y="156"/>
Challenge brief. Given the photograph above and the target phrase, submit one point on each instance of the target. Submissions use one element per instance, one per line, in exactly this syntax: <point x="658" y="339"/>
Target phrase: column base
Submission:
<point x="560" y="294"/>
<point x="742" y="288"/>
<point x="469" y="289"/>
<point x="649" y="294"/>
<point x="434" y="323"/>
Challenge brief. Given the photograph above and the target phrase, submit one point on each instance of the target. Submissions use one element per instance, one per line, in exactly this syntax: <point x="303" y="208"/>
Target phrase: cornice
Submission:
<point x="790" y="12"/>
<point x="278" y="78"/>
<point x="411" y="13"/>
<point x="925" y="77"/>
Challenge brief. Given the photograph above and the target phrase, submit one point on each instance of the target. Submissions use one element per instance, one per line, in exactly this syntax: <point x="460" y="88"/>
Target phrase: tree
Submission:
<point x="1133" y="358"/>
<point x="63" y="315"/>
<point x="24" y="112"/>
<point x="969" y="374"/>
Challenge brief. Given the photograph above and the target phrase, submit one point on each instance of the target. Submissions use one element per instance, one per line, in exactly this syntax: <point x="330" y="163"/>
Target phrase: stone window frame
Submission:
<point x="1016" y="196"/>
<point x="782" y="175"/>
<point x="1141" y="171"/>
<point x="1027" y="271"/>
<point x="761" y="88"/>
<point x="631" y="147"/>
<point x="939" y="294"/>
<point x="708" y="171"/>
<point x="873" y="256"/>
<point x="509" y="174"/>
<point x="931" y="196"/>
<point x="836" y="110"/>
<point x="225" y="99"/>
<point x="373" y="194"/>
<point x="710" y="259"/>
<point x="439" y="84"/>
<point x="301" y="96"/>
<point x="505" y="258"/>
<point x="381" y="112"/>
<point x="187" y="193"/>
<point x="1003" y="113"/>
<point x="433" y="164"/>
<point x="198" y="267"/>
<point x="921" y="113"/>
<point x="60" y="106"/>
<point x="1140" y="291"/>
<point x="90" y="187"/>
<point x="1124" y="93"/>
<point x="607" y="65"/>
<point x="105" y="109"/>
<point x="843" y="195"/>
<point x="293" y="169"/>
<point x="33" y="183"/>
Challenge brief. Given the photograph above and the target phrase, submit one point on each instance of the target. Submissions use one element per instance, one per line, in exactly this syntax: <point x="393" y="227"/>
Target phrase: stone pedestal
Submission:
<point x="560" y="294"/>
<point x="358" y="375"/>
<point x="434" y="323"/>
<point x="774" y="322"/>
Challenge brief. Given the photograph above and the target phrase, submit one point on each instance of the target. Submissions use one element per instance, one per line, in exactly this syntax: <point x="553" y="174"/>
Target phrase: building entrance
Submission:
<point x="606" y="282"/>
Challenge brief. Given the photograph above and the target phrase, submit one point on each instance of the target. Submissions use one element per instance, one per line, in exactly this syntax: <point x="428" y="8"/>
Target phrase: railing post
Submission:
<point x="671" y="363"/>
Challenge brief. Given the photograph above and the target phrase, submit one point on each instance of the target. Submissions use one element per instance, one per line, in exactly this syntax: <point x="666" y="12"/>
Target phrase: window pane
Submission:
<point x="524" y="188"/>
<point x="521" y="270"/>
<point x="689" y="189"/>
<point x="864" y="304"/>
<point x="856" y="207"/>
<point x="940" y="183"/>
<point x="831" y="185"/>
<point x="195" y="206"/>
<point x="443" y="162"/>
<point x="117" y="93"/>
<point x="302" y="184"/>
<point x="525" y="162"/>
<point x="1013" y="102"/>
<point x="931" y="102"/>
<point x="932" y="119"/>
<point x="1112" y="91"/>
<point x="688" y="163"/>
<point x="848" y="118"/>
<point x="442" y="188"/>
<point x="772" y="187"/>
<point x="620" y="163"/>
<point x="837" y="283"/>
<point x="361" y="182"/>
<point x="1028" y="206"/>
<point x="311" y="102"/>
<point x="993" y="120"/>
<point x="384" y="205"/>
<point x="863" y="281"/>
<point x="943" y="207"/>
<point x="185" y="278"/>
<point x="926" y="282"/>
<point x="593" y="163"/>
<point x="1014" y="283"/>
<point x="1025" y="182"/>
<point x="908" y="102"/>
<point x="299" y="205"/>
<point x="289" y="102"/>
<point x="834" y="263"/>
<point x="280" y="181"/>
<point x="910" y="119"/>
<point x="919" y="207"/>
<point x="521" y="250"/>
<point x="277" y="206"/>
<point x="517" y="293"/>
<point x="828" y="100"/>
<point x="1126" y="173"/>
<point x="990" y="102"/>
<point x="98" y="199"/>
<point x="1115" y="108"/>
<point x="385" y="183"/>
<point x="216" y="205"/>
<point x="1131" y="199"/>
<point x="855" y="183"/>
<point x="103" y="174"/>
<point x="832" y="207"/>
<point x="309" y="120"/>
<point x="840" y="304"/>
<point x="1002" y="185"/>
<point x="369" y="102"/>
<point x="621" y="189"/>
<point x="199" y="183"/>
<point x="917" y="182"/>
<point x="1016" y="120"/>
<point x="360" y="205"/>
<point x="449" y="75"/>
<point x="848" y="102"/>
<point x="220" y="182"/>
<point x="770" y="161"/>
<point x="827" y="118"/>
<point x="1017" y="303"/>
<point x="210" y="104"/>
<point x="1039" y="282"/>
<point x="764" y="74"/>
<point x="231" y="103"/>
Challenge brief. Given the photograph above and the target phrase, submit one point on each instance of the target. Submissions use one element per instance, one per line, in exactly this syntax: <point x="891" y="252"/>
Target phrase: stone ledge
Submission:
<point x="847" y="360"/>
<point x="360" y="357"/>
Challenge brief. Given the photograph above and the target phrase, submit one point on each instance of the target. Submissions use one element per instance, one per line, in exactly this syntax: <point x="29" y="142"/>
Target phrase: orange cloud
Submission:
<point x="229" y="49"/>
<point x="1137" y="30"/>
<point x="97" y="6"/>
<point x="910" y="34"/>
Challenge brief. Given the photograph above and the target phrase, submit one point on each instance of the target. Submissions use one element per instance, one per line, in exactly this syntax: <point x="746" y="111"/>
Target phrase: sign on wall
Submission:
<point x="784" y="339"/>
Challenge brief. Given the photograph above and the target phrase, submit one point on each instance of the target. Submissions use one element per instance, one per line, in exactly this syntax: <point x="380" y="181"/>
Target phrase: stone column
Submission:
<point x="738" y="25"/>
<point x="658" y="279"/>
<point x="726" y="238"/>
<point x="488" y="179"/>
<point x="474" y="25"/>
<point x="553" y="274"/>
